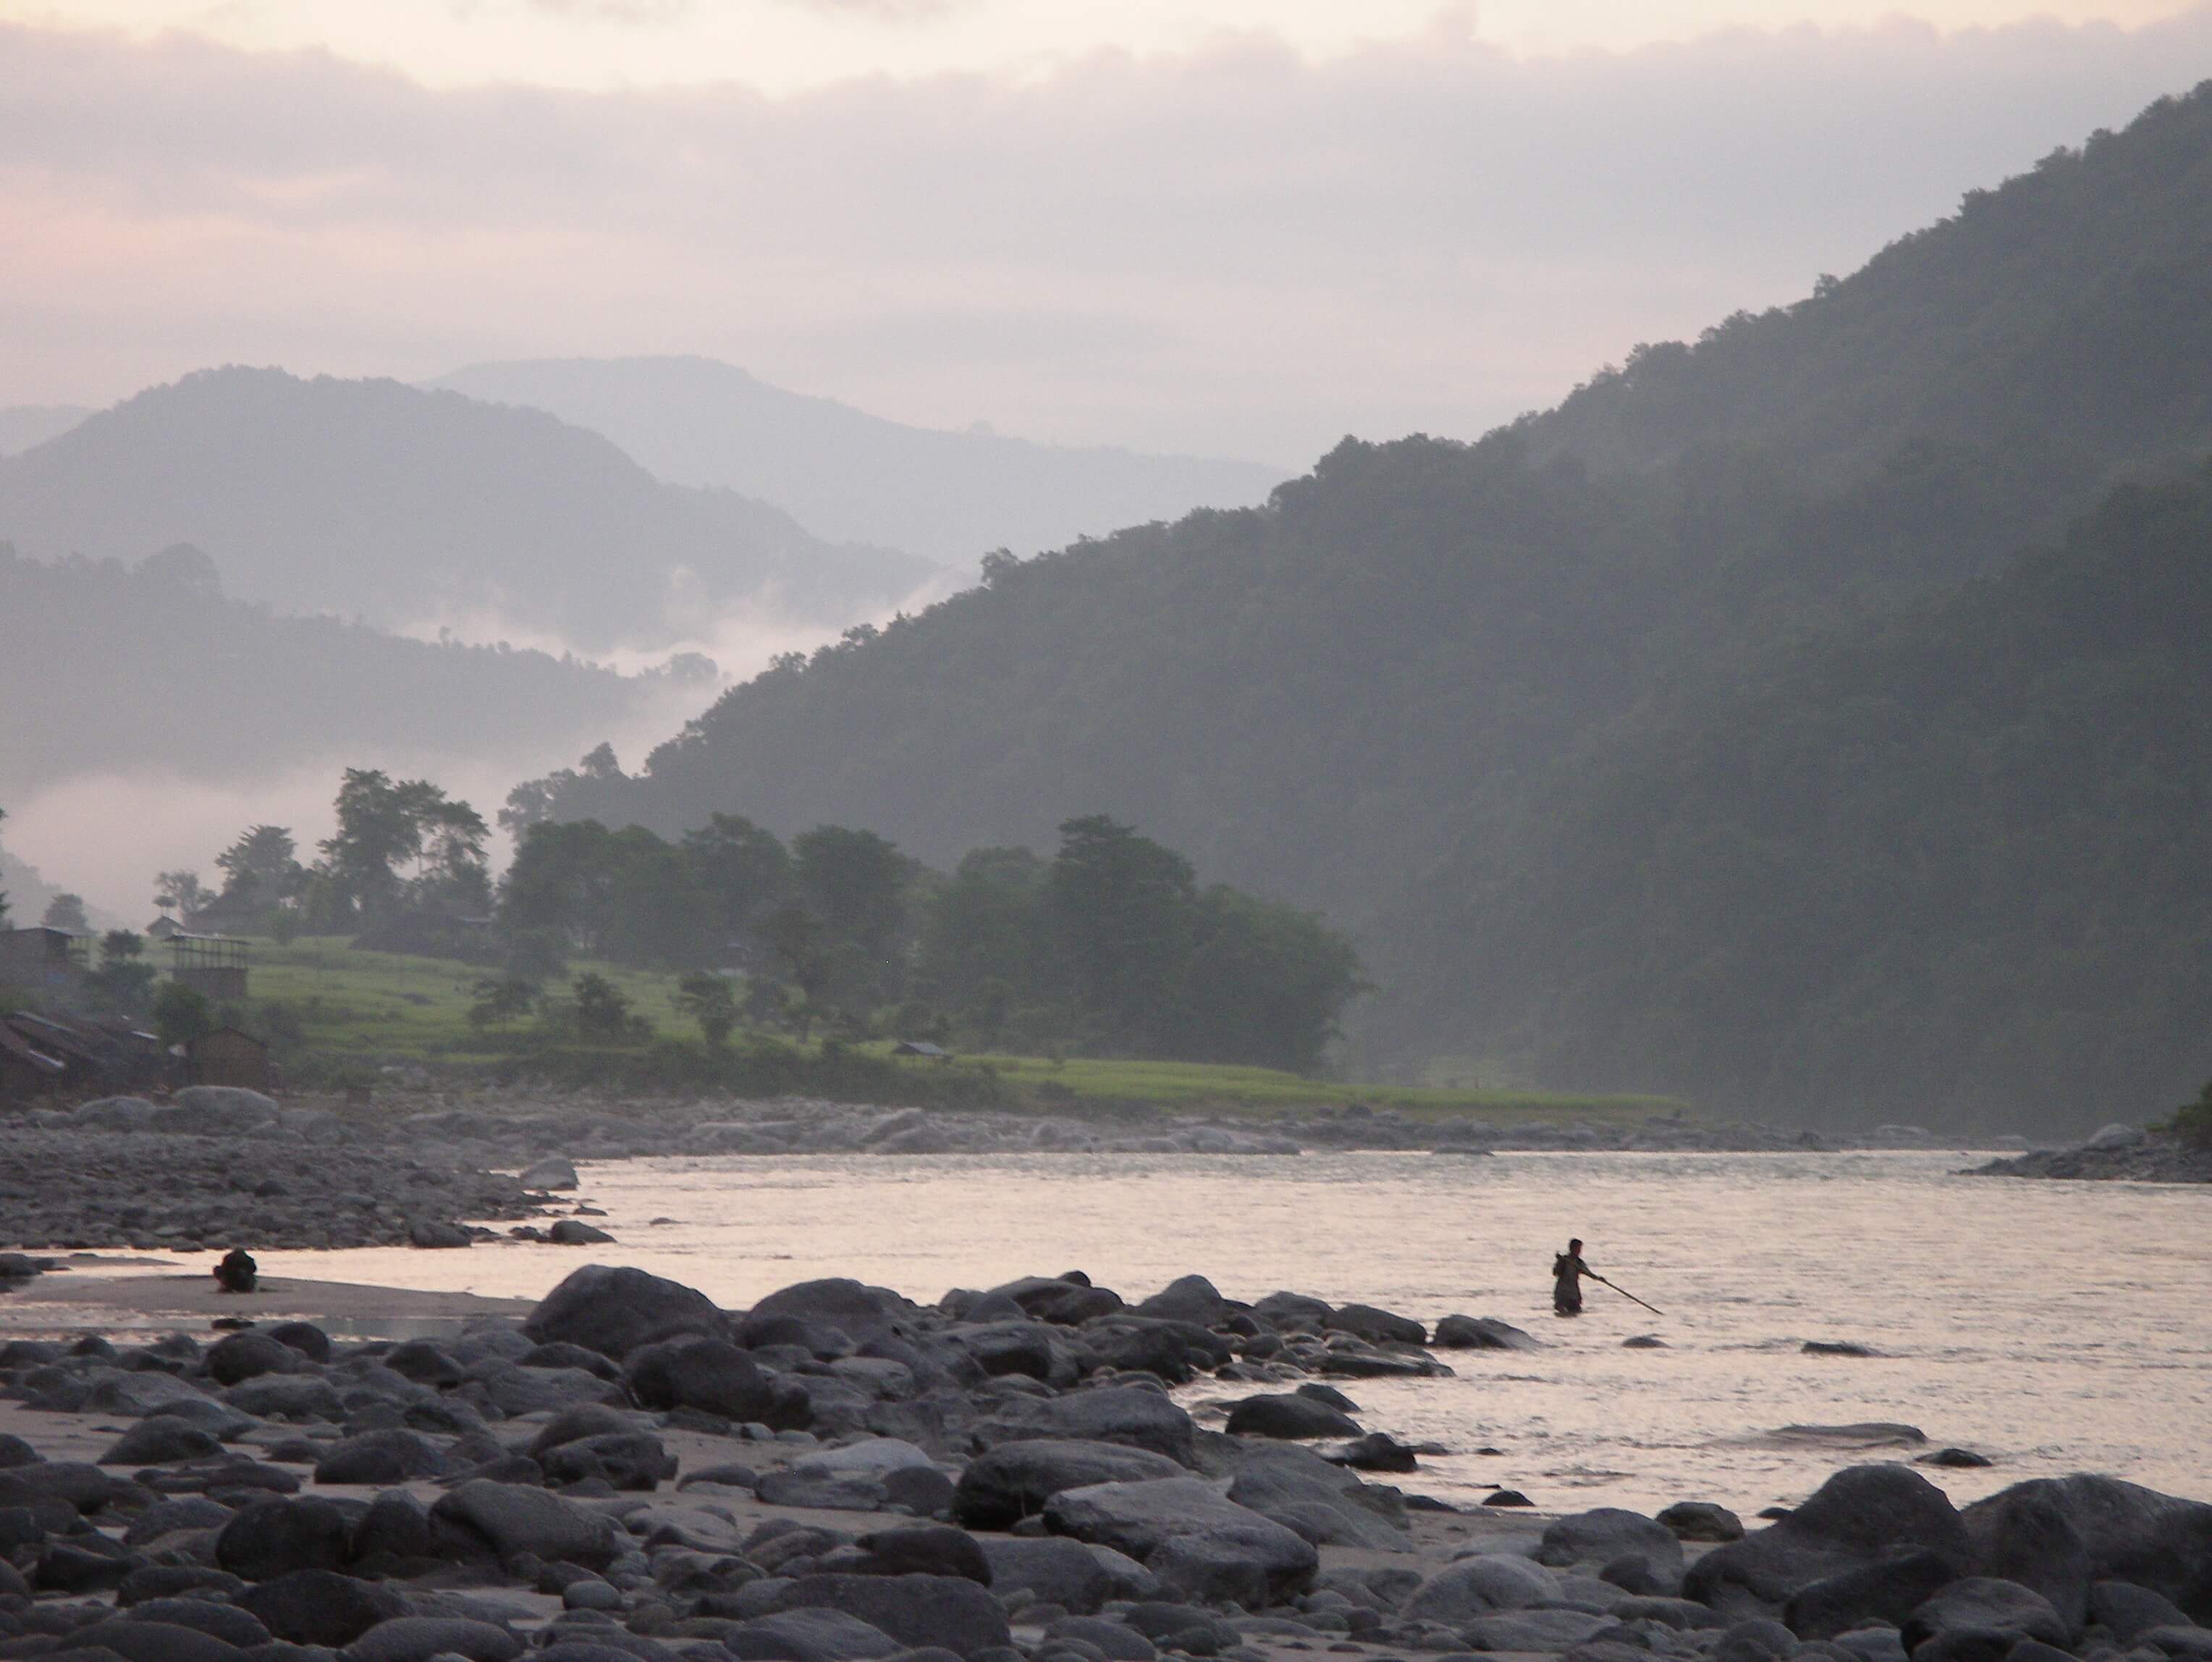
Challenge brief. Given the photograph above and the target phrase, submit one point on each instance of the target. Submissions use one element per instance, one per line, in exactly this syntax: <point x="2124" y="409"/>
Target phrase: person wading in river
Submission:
<point x="1567" y="1271"/>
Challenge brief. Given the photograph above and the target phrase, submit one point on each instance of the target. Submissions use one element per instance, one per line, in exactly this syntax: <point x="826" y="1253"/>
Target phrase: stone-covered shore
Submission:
<point x="840" y="1475"/>
<point x="2125" y="1154"/>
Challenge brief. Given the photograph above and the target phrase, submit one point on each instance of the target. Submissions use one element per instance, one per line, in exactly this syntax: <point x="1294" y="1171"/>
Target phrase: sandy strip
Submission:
<point x="191" y="1294"/>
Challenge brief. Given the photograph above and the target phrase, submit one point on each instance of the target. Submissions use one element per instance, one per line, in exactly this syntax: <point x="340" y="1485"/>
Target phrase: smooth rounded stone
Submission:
<point x="1970" y="1645"/>
<point x="709" y="1374"/>
<point x="135" y="1395"/>
<point x="1757" y="1640"/>
<point x="248" y="1356"/>
<point x="950" y="1611"/>
<point x="134" y="1640"/>
<point x="813" y="1634"/>
<point x="1378" y="1450"/>
<point x="82" y="1565"/>
<point x="1608" y="1533"/>
<point x="1188" y="1298"/>
<point x="1834" y="1347"/>
<point x="1061" y="1300"/>
<point x="926" y="1550"/>
<point x="1645" y="1342"/>
<point x="1015" y="1479"/>
<point x="2185" y="1642"/>
<point x="173" y="1580"/>
<point x="183" y="1512"/>
<point x="925" y="1494"/>
<point x="1507" y="1497"/>
<point x="1986" y="1603"/>
<point x="1376" y="1326"/>
<point x="591" y="1593"/>
<point x="223" y="1109"/>
<point x="1483" y="1333"/>
<point x="290" y="1397"/>
<point x="1683" y="1614"/>
<point x="390" y="1456"/>
<point x="423" y="1362"/>
<point x="273" y="1537"/>
<point x="77" y="1483"/>
<point x="1873" y="1644"/>
<point x="574" y="1232"/>
<point x="1055" y="1571"/>
<point x="614" y="1311"/>
<point x="1633" y="1572"/>
<point x="554" y="1171"/>
<point x="1112" y="1640"/>
<point x="420" y="1638"/>
<point x="437" y="1235"/>
<point x="1532" y="1629"/>
<point x="114" y="1114"/>
<point x="1964" y="1459"/>
<point x="397" y="1529"/>
<point x="516" y="1518"/>
<point x="159" y="1442"/>
<point x="2022" y="1535"/>
<point x="2124" y="1609"/>
<point x="227" y="1622"/>
<point x="1861" y="1514"/>
<point x="561" y="1354"/>
<point x="305" y="1338"/>
<point x="1701" y="1520"/>
<point x="1104" y="1414"/>
<point x="1291" y="1415"/>
<point x="219" y="1419"/>
<point x="624" y="1460"/>
<point x="1887" y="1591"/>
<point x="1199" y="1542"/>
<point x="854" y="1309"/>
<point x="321" y="1606"/>
<point x="1482" y="1586"/>
<point x="2130" y="1533"/>
<point x="1321" y="1503"/>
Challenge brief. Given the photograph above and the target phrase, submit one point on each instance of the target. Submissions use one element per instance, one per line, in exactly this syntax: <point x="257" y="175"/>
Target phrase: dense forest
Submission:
<point x="1426" y="687"/>
<point x="153" y="665"/>
<point x="373" y="499"/>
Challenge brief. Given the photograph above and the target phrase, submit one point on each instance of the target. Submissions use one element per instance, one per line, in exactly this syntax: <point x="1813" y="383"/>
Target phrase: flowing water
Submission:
<point x="2053" y="1326"/>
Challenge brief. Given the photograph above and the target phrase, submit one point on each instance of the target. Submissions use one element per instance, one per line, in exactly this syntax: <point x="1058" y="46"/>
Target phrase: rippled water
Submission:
<point x="2054" y="1326"/>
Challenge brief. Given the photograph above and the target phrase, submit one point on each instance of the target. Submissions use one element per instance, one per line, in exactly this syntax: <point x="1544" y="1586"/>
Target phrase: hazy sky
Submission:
<point x="1245" y="226"/>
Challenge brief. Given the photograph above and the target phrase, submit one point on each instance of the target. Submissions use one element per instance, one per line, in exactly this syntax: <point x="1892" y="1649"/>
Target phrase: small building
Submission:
<point x="227" y="1057"/>
<point x="212" y="965"/>
<point x="44" y="961"/>
<point x="163" y="927"/>
<point x="921" y="1047"/>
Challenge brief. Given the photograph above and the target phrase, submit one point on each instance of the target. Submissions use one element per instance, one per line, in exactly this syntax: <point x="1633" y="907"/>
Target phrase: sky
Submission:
<point x="1241" y="226"/>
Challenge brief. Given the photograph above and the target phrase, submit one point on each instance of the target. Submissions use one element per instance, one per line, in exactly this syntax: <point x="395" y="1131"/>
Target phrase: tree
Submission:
<point x="854" y="883"/>
<point x="260" y="869"/>
<point x="500" y="1000"/>
<point x="404" y="845"/>
<point x="1266" y="984"/>
<point x="1121" y="908"/>
<point x="2192" y="1121"/>
<point x="742" y="871"/>
<point x="181" y="1014"/>
<point x="66" y="911"/>
<point x="707" y="999"/>
<point x="181" y="892"/>
<point x="123" y="978"/>
<point x="604" y="1014"/>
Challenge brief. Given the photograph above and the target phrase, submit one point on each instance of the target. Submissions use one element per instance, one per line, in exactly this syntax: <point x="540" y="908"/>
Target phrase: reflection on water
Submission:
<point x="2054" y="1326"/>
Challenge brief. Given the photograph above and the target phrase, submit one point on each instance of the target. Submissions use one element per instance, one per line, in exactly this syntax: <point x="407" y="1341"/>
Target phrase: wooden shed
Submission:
<point x="227" y="1057"/>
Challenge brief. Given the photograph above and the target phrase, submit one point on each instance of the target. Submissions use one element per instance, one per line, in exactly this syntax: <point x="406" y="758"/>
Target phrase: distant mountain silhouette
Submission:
<point x="25" y="424"/>
<point x="952" y="496"/>
<point x="403" y="506"/>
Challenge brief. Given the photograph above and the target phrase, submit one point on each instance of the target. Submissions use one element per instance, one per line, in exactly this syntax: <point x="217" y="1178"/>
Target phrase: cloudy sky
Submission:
<point x="1242" y="225"/>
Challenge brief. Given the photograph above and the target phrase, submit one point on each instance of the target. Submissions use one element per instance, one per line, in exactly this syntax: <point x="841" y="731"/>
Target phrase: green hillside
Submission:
<point x="1374" y="695"/>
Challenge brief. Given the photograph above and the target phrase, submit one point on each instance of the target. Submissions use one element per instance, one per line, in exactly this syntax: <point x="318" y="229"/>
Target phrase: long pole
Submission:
<point x="1629" y="1296"/>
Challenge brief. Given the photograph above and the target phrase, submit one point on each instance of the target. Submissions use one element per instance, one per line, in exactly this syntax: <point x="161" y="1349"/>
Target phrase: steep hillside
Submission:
<point x="952" y="496"/>
<point x="1952" y="862"/>
<point x="1374" y="694"/>
<point x="369" y="498"/>
<point x="23" y="425"/>
<point x="114" y="670"/>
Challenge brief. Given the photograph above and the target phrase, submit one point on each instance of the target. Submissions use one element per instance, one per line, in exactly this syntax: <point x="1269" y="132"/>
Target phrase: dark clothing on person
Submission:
<point x="237" y="1273"/>
<point x="1567" y="1271"/>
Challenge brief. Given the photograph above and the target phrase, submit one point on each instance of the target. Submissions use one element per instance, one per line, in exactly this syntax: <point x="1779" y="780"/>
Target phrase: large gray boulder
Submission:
<point x="1189" y="1298"/>
<point x="1482" y="1586"/>
<point x="424" y="1638"/>
<point x="1376" y="1326"/>
<point x="321" y="1606"/>
<point x="1328" y="1506"/>
<point x="114" y="1114"/>
<point x="1075" y="1575"/>
<point x="275" y="1538"/>
<point x="1608" y="1534"/>
<point x="709" y="1374"/>
<point x="853" y="1308"/>
<point x="2129" y="1532"/>
<point x="1859" y="1516"/>
<point x="811" y="1634"/>
<point x="614" y="1311"/>
<point x="514" y="1518"/>
<point x="1201" y="1544"/>
<point x="1887" y="1590"/>
<point x="1483" y="1333"/>
<point x="1557" y="1630"/>
<point x="2023" y="1535"/>
<point x="1110" y="1414"/>
<point x="215" y="1111"/>
<point x="1014" y="1480"/>
<point x="917" y="1610"/>
<point x="1290" y="1415"/>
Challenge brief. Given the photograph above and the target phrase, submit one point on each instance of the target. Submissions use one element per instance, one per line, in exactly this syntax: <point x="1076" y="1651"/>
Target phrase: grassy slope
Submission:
<point x="387" y="1007"/>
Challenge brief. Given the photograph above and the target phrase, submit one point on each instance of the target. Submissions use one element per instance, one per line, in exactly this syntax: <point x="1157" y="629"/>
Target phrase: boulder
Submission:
<point x="1190" y="1298"/>
<point x="274" y="1538"/>
<point x="1986" y="1604"/>
<point x="114" y="1114"/>
<point x="1378" y="1450"/>
<point x="1482" y="1586"/>
<point x="854" y="1309"/>
<point x="321" y="1607"/>
<point x="1060" y="1300"/>
<point x="390" y="1456"/>
<point x="1365" y="1321"/>
<point x="286" y="1395"/>
<point x="1291" y="1415"/>
<point x="305" y="1338"/>
<point x="1014" y="1480"/>
<point x="1483" y="1333"/>
<point x="1200" y="1544"/>
<point x="1292" y="1309"/>
<point x="515" y="1518"/>
<point x="554" y="1171"/>
<point x="924" y="1549"/>
<point x="159" y="1442"/>
<point x="1859" y="1515"/>
<point x="812" y="1635"/>
<point x="947" y="1611"/>
<point x="145" y="1642"/>
<point x="424" y="1638"/>
<point x="248" y="1356"/>
<point x="1327" y="1506"/>
<point x="1887" y="1590"/>
<point x="134" y="1394"/>
<point x="709" y="1374"/>
<point x="625" y="1460"/>
<point x="1078" y="1578"/>
<point x="614" y="1311"/>
<point x="1533" y="1630"/>
<point x="2130" y="1533"/>
<point x="2023" y="1535"/>
<point x="2124" y="1609"/>
<point x="437" y="1235"/>
<point x="224" y="1622"/>
<point x="1111" y="1640"/>
<point x="1701" y="1520"/>
<point x="219" y="1110"/>
<point x="1109" y="1414"/>
<point x="1608" y="1534"/>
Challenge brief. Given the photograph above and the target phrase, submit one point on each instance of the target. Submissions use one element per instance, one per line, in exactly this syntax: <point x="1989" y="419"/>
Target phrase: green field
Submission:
<point x="371" y="1008"/>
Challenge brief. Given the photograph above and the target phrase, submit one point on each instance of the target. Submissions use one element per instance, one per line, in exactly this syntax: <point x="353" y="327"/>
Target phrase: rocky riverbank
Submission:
<point x="2118" y="1152"/>
<point x="840" y="1475"/>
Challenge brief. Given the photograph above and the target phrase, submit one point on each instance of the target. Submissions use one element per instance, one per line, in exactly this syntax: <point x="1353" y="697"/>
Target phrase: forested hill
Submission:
<point x="2066" y="316"/>
<point x="369" y="498"/>
<point x="1961" y="857"/>
<point x="1367" y="696"/>
<point x="119" y="670"/>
